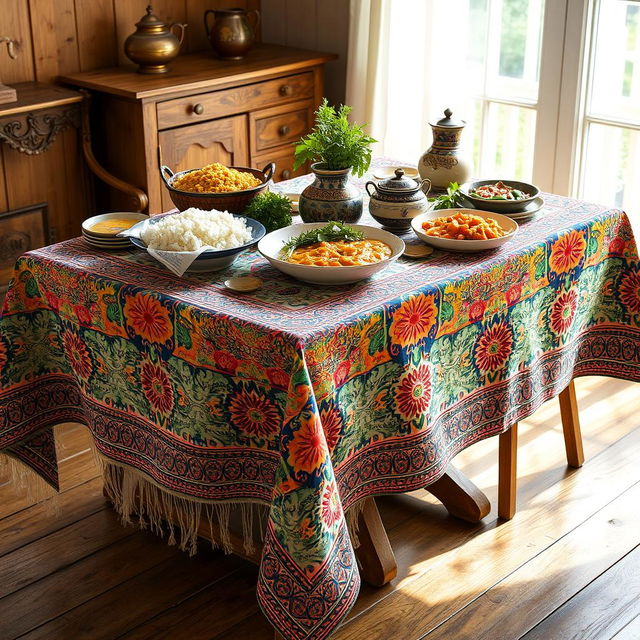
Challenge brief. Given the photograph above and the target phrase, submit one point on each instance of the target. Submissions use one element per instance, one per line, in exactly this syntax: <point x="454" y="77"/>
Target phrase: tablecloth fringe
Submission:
<point x="140" y="501"/>
<point x="24" y="478"/>
<point x="352" y="516"/>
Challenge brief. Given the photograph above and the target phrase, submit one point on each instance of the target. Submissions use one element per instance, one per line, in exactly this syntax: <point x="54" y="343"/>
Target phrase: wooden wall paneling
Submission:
<point x="3" y="187"/>
<point x="301" y="23"/>
<point x="96" y="29"/>
<point x="128" y="12"/>
<point x="55" y="43"/>
<point x="15" y="24"/>
<point x="274" y="26"/>
<point x="196" y="37"/>
<point x="332" y="35"/>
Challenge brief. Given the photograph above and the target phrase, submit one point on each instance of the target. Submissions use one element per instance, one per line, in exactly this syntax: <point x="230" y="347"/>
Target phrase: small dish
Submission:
<point x="273" y="242"/>
<point x="464" y="246"/>
<point x="500" y="206"/>
<point x="384" y="173"/>
<point x="126" y="215"/>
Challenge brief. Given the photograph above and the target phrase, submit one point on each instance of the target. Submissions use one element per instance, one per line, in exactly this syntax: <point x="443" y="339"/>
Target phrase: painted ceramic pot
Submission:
<point x="396" y="201"/>
<point x="331" y="196"/>
<point x="444" y="161"/>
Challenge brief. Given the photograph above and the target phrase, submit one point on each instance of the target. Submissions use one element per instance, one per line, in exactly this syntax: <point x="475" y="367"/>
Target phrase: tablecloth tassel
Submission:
<point x="352" y="516"/>
<point x="27" y="480"/>
<point x="246" y="513"/>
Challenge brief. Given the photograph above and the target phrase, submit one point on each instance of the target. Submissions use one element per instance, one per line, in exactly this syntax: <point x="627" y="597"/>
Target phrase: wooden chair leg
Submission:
<point x="507" y="478"/>
<point x="460" y="496"/>
<point x="571" y="426"/>
<point x="375" y="555"/>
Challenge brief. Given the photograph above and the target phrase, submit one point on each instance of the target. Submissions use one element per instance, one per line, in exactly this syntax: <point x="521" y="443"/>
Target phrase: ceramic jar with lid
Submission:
<point x="153" y="44"/>
<point x="396" y="201"/>
<point x="444" y="161"/>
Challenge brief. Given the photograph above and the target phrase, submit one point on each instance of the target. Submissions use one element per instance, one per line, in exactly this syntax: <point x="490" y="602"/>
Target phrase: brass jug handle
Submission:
<point x="257" y="16"/>
<point x="182" y="28"/>
<point x="207" y="28"/>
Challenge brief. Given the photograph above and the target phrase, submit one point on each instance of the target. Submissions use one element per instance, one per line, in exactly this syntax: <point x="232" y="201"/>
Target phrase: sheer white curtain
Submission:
<point x="407" y="62"/>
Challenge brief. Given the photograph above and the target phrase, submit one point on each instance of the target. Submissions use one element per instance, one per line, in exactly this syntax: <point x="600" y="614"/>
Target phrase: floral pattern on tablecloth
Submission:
<point x="310" y="399"/>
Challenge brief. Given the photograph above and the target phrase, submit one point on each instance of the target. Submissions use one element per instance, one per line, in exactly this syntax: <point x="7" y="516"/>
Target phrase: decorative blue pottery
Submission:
<point x="330" y="197"/>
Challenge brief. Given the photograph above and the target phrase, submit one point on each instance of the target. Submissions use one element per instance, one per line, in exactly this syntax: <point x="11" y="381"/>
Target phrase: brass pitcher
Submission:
<point x="153" y="45"/>
<point x="231" y="34"/>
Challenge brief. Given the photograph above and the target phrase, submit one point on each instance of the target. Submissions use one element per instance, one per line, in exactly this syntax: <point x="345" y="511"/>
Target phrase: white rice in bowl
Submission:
<point x="195" y="228"/>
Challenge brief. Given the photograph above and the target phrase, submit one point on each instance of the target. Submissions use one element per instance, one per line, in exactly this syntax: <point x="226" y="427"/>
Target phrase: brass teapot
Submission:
<point x="153" y="44"/>
<point x="231" y="34"/>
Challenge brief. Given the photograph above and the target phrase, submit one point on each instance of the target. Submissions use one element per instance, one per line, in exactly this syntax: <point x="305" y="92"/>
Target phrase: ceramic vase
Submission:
<point x="331" y="196"/>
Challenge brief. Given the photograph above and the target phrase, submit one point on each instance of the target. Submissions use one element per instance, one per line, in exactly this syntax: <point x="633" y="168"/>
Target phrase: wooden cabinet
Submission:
<point x="205" y="110"/>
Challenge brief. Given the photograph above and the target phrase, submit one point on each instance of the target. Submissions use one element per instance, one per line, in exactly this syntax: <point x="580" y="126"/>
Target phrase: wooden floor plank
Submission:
<point x="604" y="607"/>
<point x="630" y="632"/>
<point x="567" y="567"/>
<point x="136" y="600"/>
<point x="51" y="553"/>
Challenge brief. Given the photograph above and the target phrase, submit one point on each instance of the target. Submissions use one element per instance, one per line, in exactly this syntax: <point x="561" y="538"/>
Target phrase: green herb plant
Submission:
<point x="335" y="141"/>
<point x="272" y="209"/>
<point x="331" y="231"/>
<point x="450" y="200"/>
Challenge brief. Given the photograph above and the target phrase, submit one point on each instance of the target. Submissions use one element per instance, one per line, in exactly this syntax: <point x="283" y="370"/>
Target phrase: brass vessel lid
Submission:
<point x="150" y="22"/>
<point x="448" y="121"/>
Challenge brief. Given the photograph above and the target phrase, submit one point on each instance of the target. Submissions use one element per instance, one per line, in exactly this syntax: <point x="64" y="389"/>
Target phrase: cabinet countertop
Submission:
<point x="199" y="71"/>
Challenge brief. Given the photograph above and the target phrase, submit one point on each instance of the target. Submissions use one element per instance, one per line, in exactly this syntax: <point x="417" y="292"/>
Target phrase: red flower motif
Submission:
<point x="493" y="347"/>
<point x="148" y="318"/>
<point x="567" y="252"/>
<point x="225" y="361"/>
<point x="563" y="311"/>
<point x="77" y="355"/>
<point x="617" y="246"/>
<point x="414" y="392"/>
<point x="413" y="320"/>
<point x="476" y="310"/>
<point x="83" y="314"/>
<point x="53" y="300"/>
<point x="278" y="378"/>
<point x="630" y="292"/>
<point x="513" y="294"/>
<point x="331" y="425"/>
<point x="157" y="387"/>
<point x="331" y="509"/>
<point x="254" y="414"/>
<point x="307" y="448"/>
<point x="341" y="373"/>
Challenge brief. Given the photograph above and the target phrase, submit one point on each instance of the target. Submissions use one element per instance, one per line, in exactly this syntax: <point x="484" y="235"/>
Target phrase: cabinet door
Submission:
<point x="191" y="147"/>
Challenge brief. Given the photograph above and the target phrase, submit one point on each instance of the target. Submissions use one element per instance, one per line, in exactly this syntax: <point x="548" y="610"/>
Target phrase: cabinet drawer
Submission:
<point x="205" y="106"/>
<point x="278" y="126"/>
<point x="284" y="163"/>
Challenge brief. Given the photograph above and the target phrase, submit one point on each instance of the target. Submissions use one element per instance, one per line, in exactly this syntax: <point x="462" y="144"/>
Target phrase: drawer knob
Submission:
<point x="198" y="109"/>
<point x="284" y="129"/>
<point x="286" y="174"/>
<point x="286" y="90"/>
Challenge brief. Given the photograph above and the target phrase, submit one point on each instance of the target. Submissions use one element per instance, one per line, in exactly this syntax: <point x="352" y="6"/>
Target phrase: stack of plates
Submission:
<point x="108" y="239"/>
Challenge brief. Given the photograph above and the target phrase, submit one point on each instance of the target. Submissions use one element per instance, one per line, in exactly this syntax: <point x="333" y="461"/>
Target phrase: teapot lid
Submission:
<point x="398" y="184"/>
<point x="150" y="21"/>
<point x="448" y="121"/>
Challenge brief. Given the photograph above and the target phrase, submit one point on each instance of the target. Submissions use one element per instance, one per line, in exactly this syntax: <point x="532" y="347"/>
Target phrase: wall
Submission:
<point x="63" y="36"/>
<point x="321" y="25"/>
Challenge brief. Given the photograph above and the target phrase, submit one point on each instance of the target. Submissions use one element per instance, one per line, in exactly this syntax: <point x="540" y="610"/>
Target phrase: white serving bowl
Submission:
<point x="273" y="242"/>
<point x="89" y="222"/>
<point x="464" y="246"/>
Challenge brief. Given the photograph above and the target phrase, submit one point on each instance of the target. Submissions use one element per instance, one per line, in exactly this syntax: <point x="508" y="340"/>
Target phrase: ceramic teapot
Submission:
<point x="153" y="44"/>
<point x="396" y="201"/>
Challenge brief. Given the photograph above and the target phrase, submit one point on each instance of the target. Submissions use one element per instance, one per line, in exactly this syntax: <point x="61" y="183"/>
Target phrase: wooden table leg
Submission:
<point x="571" y="426"/>
<point x="507" y="472"/>
<point x="375" y="555"/>
<point x="460" y="496"/>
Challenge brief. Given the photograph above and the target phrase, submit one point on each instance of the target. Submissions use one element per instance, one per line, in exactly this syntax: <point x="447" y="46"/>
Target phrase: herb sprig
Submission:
<point x="331" y="231"/>
<point x="450" y="200"/>
<point x="272" y="209"/>
<point x="335" y="141"/>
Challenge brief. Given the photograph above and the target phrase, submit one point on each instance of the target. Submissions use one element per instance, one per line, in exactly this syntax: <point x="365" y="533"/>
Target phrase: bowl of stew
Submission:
<point x="499" y="195"/>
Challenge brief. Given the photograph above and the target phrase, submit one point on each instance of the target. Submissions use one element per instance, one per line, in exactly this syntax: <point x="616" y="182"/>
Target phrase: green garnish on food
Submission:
<point x="450" y="200"/>
<point x="331" y="231"/>
<point x="272" y="209"/>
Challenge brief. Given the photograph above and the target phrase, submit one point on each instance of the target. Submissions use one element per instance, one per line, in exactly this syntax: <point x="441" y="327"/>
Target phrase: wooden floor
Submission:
<point x="567" y="566"/>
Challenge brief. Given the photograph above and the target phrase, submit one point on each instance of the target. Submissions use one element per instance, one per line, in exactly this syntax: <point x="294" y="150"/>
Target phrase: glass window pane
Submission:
<point x="615" y="88"/>
<point x="508" y="145"/>
<point x="612" y="166"/>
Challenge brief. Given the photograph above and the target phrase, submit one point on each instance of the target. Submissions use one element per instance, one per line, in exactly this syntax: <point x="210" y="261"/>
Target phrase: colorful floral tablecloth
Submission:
<point x="309" y="398"/>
